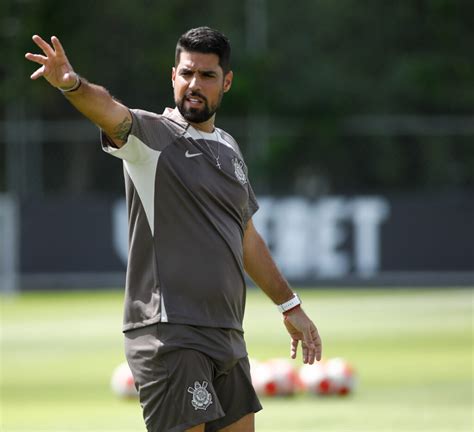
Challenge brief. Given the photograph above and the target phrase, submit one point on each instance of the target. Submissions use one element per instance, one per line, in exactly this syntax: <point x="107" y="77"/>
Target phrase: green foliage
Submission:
<point x="324" y="60"/>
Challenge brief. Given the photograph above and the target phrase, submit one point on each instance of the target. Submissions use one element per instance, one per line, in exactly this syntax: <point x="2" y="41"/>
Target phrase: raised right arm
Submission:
<point x="93" y="101"/>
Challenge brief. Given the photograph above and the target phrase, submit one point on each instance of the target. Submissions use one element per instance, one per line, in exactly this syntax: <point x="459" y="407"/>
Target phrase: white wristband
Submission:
<point x="290" y="304"/>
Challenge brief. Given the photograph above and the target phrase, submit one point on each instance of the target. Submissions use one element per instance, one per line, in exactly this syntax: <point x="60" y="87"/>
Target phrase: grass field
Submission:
<point x="412" y="350"/>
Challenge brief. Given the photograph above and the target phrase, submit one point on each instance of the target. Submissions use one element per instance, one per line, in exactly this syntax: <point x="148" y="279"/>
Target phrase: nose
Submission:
<point x="194" y="83"/>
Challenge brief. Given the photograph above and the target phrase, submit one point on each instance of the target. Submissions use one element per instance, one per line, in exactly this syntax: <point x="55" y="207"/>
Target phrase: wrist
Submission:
<point x="72" y="88"/>
<point x="293" y="309"/>
<point x="290" y="304"/>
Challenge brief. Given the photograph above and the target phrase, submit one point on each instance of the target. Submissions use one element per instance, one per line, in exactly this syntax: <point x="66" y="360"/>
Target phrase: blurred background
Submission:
<point x="357" y="124"/>
<point x="355" y="120"/>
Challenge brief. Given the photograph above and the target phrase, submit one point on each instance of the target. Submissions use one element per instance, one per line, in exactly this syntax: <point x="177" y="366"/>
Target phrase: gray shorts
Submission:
<point x="181" y="387"/>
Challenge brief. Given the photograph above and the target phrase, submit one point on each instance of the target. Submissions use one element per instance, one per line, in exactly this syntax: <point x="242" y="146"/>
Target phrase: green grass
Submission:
<point x="412" y="350"/>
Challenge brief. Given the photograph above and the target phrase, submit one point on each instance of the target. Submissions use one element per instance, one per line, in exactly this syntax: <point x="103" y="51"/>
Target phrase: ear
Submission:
<point x="173" y="76"/>
<point x="228" y="81"/>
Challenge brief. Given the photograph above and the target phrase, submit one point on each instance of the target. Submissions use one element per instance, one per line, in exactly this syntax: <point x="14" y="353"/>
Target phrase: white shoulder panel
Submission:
<point x="134" y="150"/>
<point x="143" y="175"/>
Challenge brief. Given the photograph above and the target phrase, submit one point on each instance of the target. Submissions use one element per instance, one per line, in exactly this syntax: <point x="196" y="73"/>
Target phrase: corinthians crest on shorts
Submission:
<point x="239" y="170"/>
<point x="201" y="397"/>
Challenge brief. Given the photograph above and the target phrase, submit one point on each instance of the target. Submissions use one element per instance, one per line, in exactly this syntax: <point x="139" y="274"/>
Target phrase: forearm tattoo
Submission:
<point x="122" y="130"/>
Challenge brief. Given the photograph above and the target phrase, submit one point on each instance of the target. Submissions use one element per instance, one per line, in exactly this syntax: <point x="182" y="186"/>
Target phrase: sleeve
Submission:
<point x="252" y="205"/>
<point x="147" y="136"/>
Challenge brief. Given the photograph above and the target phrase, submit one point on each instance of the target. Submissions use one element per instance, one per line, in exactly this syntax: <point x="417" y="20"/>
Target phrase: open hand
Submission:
<point x="301" y="328"/>
<point x="55" y="66"/>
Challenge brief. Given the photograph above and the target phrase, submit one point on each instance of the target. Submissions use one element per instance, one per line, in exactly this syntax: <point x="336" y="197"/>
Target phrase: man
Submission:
<point x="191" y="238"/>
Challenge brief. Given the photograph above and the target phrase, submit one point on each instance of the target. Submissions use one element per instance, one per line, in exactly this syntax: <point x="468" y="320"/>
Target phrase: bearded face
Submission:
<point x="195" y="107"/>
<point x="199" y="85"/>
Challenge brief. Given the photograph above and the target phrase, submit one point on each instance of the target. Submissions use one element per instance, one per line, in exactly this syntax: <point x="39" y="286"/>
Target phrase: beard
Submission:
<point x="197" y="115"/>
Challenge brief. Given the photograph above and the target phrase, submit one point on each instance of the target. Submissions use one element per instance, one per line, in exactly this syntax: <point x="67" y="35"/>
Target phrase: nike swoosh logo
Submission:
<point x="191" y="155"/>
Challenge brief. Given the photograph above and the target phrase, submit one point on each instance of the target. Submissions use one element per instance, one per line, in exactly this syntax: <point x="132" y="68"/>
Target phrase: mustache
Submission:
<point x="195" y="94"/>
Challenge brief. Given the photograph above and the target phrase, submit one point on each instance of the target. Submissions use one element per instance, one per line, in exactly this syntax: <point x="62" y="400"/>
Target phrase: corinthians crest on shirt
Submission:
<point x="239" y="170"/>
<point x="201" y="397"/>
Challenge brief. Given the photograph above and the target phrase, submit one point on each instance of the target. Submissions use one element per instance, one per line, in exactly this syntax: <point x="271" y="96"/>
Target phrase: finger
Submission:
<point x="305" y="350"/>
<point x="37" y="58"/>
<point x="311" y="355"/>
<point x="319" y="347"/>
<point x="317" y="343"/>
<point x="309" y="343"/>
<point x="38" y="73"/>
<point x="57" y="46"/>
<point x="43" y="45"/>
<point x="294" y="348"/>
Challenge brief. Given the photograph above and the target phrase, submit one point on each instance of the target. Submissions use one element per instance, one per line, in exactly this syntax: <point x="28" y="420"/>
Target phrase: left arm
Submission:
<point x="261" y="267"/>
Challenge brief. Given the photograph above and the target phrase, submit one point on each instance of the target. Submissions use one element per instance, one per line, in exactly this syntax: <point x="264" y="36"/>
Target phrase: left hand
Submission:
<point x="301" y="328"/>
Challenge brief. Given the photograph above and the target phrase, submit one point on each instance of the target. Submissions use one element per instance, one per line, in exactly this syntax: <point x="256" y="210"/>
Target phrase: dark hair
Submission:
<point x="207" y="41"/>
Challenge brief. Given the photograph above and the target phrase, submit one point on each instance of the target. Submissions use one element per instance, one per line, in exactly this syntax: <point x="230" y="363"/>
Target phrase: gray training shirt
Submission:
<point x="187" y="219"/>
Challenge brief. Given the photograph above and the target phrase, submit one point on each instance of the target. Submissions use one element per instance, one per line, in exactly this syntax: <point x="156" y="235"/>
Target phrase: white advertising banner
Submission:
<point x="308" y="239"/>
<point x="312" y="239"/>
